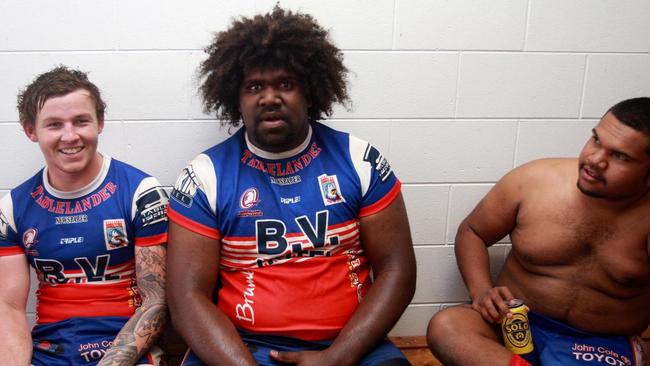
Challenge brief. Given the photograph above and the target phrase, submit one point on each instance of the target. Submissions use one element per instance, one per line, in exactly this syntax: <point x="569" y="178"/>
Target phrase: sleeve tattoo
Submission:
<point x="149" y="320"/>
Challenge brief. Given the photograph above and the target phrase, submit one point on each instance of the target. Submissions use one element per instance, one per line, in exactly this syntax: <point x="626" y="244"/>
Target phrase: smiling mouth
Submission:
<point x="71" y="150"/>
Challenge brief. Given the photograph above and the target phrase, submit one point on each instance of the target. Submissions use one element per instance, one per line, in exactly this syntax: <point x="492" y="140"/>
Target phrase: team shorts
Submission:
<point x="80" y="342"/>
<point x="559" y="344"/>
<point x="384" y="354"/>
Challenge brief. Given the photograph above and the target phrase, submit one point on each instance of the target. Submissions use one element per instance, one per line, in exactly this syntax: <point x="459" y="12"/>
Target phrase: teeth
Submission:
<point x="71" y="150"/>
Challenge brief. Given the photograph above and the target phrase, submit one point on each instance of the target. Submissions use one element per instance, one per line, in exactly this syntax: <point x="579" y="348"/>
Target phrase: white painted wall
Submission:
<point x="455" y="92"/>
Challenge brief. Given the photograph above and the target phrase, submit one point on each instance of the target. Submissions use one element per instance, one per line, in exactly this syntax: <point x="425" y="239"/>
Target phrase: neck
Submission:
<point x="617" y="205"/>
<point x="70" y="182"/>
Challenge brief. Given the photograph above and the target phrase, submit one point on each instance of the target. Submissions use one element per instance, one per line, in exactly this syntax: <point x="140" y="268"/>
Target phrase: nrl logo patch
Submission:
<point x="115" y="234"/>
<point x="330" y="190"/>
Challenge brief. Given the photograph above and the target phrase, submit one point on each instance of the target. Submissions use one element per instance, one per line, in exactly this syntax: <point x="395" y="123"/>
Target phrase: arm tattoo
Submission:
<point x="149" y="320"/>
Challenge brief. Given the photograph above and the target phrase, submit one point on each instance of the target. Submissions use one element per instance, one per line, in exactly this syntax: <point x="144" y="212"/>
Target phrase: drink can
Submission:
<point x="516" y="330"/>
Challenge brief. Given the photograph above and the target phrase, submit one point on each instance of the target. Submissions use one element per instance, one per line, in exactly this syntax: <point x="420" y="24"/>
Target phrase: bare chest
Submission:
<point x="570" y="242"/>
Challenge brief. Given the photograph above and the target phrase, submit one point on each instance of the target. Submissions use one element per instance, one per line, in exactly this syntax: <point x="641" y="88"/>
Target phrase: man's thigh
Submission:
<point x="384" y="354"/>
<point x="80" y="341"/>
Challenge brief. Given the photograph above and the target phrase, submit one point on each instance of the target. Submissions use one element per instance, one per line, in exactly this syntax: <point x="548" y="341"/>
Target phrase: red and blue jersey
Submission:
<point x="292" y="262"/>
<point x="81" y="244"/>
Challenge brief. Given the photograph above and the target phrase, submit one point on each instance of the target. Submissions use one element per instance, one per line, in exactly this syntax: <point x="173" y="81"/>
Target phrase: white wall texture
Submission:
<point x="455" y="92"/>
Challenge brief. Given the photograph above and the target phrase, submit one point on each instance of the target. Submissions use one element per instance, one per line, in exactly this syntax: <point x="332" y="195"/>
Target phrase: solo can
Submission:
<point x="516" y="330"/>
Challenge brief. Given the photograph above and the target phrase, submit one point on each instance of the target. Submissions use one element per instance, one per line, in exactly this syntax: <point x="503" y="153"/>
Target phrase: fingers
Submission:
<point x="503" y="300"/>
<point x="286" y="357"/>
<point x="493" y="304"/>
<point x="491" y="308"/>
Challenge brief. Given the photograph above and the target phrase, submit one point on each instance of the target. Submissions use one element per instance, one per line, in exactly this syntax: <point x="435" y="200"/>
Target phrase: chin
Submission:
<point x="589" y="193"/>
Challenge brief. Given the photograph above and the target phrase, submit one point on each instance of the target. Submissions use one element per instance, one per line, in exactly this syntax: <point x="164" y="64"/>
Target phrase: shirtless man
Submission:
<point x="580" y="255"/>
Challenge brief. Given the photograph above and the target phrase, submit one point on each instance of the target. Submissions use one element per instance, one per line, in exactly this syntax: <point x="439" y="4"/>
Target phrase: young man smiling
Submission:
<point x="285" y="219"/>
<point x="93" y="229"/>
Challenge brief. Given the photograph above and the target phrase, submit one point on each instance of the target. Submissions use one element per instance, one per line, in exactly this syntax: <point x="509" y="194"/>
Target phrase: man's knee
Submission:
<point x="441" y="326"/>
<point x="457" y="323"/>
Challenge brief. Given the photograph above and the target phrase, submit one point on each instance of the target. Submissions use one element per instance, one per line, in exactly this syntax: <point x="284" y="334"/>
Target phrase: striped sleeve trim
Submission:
<point x="149" y="241"/>
<point x="5" y="252"/>
<point x="382" y="203"/>
<point x="193" y="225"/>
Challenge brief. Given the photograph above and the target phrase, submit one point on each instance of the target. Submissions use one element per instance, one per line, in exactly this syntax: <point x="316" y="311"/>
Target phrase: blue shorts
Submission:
<point x="559" y="344"/>
<point x="80" y="341"/>
<point x="384" y="354"/>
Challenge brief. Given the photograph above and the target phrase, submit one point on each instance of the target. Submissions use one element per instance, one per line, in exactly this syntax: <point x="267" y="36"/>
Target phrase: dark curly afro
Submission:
<point x="277" y="40"/>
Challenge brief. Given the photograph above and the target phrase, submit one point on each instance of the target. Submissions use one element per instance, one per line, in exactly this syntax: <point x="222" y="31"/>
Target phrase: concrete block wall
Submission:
<point x="455" y="93"/>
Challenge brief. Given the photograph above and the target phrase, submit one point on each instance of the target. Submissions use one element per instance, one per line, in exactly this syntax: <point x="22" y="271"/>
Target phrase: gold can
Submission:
<point x="516" y="330"/>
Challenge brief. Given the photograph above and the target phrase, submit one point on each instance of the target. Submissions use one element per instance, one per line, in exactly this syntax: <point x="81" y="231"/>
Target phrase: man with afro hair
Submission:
<point x="274" y="232"/>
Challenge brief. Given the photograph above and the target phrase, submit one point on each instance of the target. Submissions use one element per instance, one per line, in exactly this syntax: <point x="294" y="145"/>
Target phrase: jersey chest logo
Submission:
<point x="272" y="238"/>
<point x="54" y="272"/>
<point x="115" y="234"/>
<point x="330" y="189"/>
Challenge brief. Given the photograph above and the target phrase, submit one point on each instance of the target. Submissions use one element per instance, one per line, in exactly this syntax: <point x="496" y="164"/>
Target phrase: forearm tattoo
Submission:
<point x="149" y="320"/>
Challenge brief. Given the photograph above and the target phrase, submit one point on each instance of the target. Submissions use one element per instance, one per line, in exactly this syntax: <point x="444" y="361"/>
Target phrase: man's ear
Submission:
<point x="100" y="126"/>
<point x="29" y="130"/>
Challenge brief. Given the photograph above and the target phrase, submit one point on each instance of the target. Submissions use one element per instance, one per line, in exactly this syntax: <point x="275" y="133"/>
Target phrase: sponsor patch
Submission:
<point x="75" y="219"/>
<point x="186" y="187"/>
<point x="47" y="346"/>
<point x="378" y="162"/>
<point x="29" y="238"/>
<point x="330" y="190"/>
<point x="285" y="181"/>
<point x="290" y="200"/>
<point x="73" y="240"/>
<point x="115" y="234"/>
<point x="152" y="206"/>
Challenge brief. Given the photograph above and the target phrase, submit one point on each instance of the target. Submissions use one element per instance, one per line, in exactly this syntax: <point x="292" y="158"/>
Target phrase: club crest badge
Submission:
<point x="29" y="238"/>
<point x="330" y="190"/>
<point x="115" y="234"/>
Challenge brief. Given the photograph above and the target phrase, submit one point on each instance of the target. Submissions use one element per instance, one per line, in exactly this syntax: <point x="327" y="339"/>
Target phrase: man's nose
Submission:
<point x="269" y="96"/>
<point x="599" y="158"/>
<point x="69" y="132"/>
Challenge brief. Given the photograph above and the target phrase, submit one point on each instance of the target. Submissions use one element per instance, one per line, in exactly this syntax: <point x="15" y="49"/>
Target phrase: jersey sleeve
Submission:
<point x="379" y="185"/>
<point x="193" y="200"/>
<point x="149" y="212"/>
<point x="9" y="238"/>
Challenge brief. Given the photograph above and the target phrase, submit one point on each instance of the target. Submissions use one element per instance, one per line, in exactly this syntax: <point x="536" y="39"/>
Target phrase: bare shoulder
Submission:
<point x="546" y="167"/>
<point x="540" y="173"/>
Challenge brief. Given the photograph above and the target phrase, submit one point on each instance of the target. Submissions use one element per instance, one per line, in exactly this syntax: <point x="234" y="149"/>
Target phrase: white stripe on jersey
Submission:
<point x="358" y="149"/>
<point x="205" y="174"/>
<point x="6" y="215"/>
